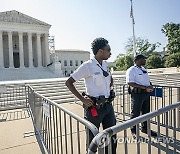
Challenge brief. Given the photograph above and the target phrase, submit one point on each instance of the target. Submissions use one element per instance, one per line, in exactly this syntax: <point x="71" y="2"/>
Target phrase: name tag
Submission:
<point x="96" y="73"/>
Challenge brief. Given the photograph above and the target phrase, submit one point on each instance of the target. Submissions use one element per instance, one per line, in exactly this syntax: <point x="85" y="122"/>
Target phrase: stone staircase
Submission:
<point x="9" y="74"/>
<point x="172" y="79"/>
<point x="56" y="90"/>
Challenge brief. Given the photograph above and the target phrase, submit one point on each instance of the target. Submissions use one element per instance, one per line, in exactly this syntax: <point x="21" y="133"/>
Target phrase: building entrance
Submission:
<point x="16" y="59"/>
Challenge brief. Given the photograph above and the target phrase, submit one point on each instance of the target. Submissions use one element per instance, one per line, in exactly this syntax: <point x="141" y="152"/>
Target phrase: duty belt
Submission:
<point x="138" y="90"/>
<point x="100" y="101"/>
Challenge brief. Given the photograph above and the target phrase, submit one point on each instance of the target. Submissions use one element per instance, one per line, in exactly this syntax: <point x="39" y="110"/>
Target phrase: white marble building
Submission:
<point x="24" y="50"/>
<point x="71" y="59"/>
<point x="23" y="41"/>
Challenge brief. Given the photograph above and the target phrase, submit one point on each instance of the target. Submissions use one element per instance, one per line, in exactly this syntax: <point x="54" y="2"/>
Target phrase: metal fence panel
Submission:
<point x="60" y="130"/>
<point x="12" y="97"/>
<point x="167" y="141"/>
<point x="122" y="102"/>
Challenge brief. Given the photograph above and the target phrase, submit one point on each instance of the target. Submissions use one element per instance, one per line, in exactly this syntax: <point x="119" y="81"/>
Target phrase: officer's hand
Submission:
<point x="149" y="89"/>
<point x="87" y="101"/>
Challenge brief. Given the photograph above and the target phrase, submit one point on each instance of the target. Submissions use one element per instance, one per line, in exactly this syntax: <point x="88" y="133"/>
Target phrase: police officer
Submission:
<point x="140" y="87"/>
<point x="98" y="82"/>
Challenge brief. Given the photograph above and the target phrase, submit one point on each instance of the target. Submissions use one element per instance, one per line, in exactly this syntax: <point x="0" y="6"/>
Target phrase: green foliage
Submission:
<point x="172" y="60"/>
<point x="172" y="32"/>
<point x="123" y="63"/>
<point x="154" y="61"/>
<point x="143" y="46"/>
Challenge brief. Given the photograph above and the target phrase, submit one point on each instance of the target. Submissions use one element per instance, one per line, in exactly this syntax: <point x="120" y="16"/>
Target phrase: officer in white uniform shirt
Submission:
<point x="139" y="87"/>
<point x="98" y="82"/>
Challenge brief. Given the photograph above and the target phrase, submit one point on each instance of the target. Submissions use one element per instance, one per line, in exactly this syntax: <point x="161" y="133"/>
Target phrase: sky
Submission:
<point x="76" y="23"/>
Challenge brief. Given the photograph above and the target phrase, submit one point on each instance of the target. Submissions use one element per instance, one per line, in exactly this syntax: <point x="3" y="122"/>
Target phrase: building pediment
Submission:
<point x="17" y="17"/>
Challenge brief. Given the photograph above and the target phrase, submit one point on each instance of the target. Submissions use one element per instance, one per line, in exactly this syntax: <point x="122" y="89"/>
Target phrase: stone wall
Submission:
<point x="155" y="71"/>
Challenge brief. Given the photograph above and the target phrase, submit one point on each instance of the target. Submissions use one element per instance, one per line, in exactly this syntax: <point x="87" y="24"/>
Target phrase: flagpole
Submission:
<point x="133" y="23"/>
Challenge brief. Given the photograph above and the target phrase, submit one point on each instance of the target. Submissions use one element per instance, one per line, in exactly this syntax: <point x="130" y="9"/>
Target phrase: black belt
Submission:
<point x="96" y="98"/>
<point x="100" y="101"/>
<point x="138" y="90"/>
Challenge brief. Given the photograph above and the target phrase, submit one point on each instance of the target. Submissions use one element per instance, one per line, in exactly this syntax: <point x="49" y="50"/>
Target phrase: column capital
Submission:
<point x="20" y="33"/>
<point x="9" y="32"/>
<point x="38" y="34"/>
<point x="29" y="33"/>
<point x="46" y="34"/>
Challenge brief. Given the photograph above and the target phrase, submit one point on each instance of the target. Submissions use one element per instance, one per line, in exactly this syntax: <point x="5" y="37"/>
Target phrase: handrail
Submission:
<point x="29" y="86"/>
<point x="154" y="85"/>
<point x="107" y="133"/>
<point x="88" y="124"/>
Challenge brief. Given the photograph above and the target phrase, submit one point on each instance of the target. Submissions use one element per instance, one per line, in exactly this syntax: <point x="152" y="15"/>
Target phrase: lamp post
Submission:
<point x="133" y="23"/>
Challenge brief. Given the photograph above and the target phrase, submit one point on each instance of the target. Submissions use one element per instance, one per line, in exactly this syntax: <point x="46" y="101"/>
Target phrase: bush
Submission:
<point x="172" y="60"/>
<point x="123" y="63"/>
<point x="154" y="61"/>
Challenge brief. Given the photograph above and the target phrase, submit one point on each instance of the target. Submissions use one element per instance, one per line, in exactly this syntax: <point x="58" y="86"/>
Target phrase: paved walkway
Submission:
<point x="12" y="139"/>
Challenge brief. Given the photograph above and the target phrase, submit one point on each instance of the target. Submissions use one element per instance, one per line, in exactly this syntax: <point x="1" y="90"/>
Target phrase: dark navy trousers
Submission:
<point x="107" y="118"/>
<point x="140" y="104"/>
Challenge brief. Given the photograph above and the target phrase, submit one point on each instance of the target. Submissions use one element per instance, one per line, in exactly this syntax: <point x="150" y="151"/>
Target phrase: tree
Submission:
<point x="123" y="63"/>
<point x="143" y="46"/>
<point x="154" y="61"/>
<point x="172" y="60"/>
<point x="172" y="32"/>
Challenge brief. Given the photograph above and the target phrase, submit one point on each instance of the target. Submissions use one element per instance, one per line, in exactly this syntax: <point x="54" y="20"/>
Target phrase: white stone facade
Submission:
<point x="71" y="59"/>
<point x="23" y="41"/>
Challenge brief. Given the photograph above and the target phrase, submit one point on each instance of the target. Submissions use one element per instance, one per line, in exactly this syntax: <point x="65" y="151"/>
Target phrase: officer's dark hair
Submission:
<point x="97" y="44"/>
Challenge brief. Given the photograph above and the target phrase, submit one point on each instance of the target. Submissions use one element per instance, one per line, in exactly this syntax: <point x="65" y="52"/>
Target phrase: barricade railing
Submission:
<point x="58" y="129"/>
<point x="49" y="118"/>
<point x="167" y="140"/>
<point x="161" y="97"/>
<point x="12" y="96"/>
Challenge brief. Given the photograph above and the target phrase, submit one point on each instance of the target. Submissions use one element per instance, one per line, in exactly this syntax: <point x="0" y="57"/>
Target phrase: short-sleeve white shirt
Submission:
<point x="96" y="83"/>
<point x="136" y="75"/>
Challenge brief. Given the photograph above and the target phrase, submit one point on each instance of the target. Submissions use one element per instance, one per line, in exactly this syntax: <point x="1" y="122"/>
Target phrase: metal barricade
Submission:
<point x="122" y="102"/>
<point x="58" y="129"/>
<point x="61" y="131"/>
<point x="12" y="96"/>
<point x="163" y="96"/>
<point x="167" y="140"/>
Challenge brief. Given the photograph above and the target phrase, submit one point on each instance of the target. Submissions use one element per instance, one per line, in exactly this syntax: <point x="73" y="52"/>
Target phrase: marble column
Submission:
<point x="39" y="54"/>
<point x="47" y="53"/>
<point x="11" y="60"/>
<point x="30" y="50"/>
<point x="21" y="51"/>
<point x="1" y="51"/>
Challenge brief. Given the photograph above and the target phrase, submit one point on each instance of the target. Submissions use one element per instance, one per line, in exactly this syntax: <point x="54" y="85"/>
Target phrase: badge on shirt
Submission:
<point x="96" y="73"/>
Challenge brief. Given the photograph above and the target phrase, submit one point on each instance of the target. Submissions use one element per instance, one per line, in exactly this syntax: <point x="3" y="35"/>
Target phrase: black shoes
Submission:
<point x="133" y="134"/>
<point x="153" y="133"/>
